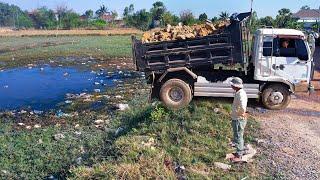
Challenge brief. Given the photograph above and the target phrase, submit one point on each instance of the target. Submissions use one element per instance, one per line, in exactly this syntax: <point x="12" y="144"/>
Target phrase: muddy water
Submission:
<point x="42" y="88"/>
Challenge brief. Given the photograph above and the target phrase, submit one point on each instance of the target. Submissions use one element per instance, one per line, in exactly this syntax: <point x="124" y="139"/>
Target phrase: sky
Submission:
<point x="210" y="7"/>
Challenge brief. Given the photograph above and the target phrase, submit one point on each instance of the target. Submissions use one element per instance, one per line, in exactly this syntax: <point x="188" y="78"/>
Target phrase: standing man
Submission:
<point x="239" y="117"/>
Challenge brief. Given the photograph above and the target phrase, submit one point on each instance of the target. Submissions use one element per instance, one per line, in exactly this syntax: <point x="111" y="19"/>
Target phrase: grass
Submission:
<point x="153" y="141"/>
<point x="79" y="32"/>
<point x="17" y="51"/>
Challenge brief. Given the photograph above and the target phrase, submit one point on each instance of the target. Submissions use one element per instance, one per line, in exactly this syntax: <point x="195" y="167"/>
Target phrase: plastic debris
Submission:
<point x="37" y="126"/>
<point x="99" y="121"/>
<point x="58" y="136"/>
<point x="222" y="166"/>
<point x="97" y="90"/>
<point x="122" y="107"/>
<point x="119" y="131"/>
<point x="37" y="112"/>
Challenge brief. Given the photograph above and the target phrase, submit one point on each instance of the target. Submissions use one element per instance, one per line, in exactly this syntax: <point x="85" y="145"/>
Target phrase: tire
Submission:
<point x="276" y="97"/>
<point x="175" y="94"/>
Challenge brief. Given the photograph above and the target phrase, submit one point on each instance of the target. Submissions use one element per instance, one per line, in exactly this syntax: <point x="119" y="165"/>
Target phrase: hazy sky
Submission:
<point x="211" y="7"/>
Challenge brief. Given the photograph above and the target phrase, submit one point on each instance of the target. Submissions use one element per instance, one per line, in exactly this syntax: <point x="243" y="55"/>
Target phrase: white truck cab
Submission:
<point x="282" y="55"/>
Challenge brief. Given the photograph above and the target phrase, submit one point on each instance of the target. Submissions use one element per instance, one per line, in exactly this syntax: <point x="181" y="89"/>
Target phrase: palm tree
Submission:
<point x="101" y="11"/>
<point x="224" y="15"/>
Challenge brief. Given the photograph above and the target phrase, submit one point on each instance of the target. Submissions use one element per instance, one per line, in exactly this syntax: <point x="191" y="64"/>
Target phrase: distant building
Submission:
<point x="107" y="17"/>
<point x="309" y="17"/>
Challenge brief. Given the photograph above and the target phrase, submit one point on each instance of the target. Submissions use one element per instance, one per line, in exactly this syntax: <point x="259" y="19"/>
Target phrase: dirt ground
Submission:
<point x="291" y="138"/>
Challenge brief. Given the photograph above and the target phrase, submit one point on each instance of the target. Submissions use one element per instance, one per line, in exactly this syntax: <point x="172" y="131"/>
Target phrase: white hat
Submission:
<point x="237" y="82"/>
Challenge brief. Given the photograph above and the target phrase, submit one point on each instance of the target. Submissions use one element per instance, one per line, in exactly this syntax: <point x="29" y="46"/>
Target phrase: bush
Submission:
<point x="98" y="24"/>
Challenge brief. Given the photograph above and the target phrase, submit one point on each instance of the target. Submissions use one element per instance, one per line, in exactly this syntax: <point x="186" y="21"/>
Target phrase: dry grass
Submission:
<point x="118" y="31"/>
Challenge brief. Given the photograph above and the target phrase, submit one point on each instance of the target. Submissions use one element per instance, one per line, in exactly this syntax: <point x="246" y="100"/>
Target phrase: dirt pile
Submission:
<point x="182" y="32"/>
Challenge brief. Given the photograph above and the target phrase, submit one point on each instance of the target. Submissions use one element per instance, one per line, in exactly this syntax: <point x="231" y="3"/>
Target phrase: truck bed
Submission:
<point x="223" y="48"/>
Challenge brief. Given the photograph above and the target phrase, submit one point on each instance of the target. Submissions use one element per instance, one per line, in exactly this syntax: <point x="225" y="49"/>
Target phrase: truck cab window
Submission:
<point x="301" y="50"/>
<point x="287" y="47"/>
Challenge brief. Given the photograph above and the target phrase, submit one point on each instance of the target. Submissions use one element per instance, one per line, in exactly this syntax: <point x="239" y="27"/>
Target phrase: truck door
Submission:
<point x="292" y="60"/>
<point x="265" y="58"/>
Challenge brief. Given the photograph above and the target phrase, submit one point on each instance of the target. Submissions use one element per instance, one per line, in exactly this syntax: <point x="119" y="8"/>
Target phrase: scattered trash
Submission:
<point x="79" y="160"/>
<point x="96" y="83"/>
<point x="119" y="131"/>
<point x="6" y="86"/>
<point x="78" y="133"/>
<point x="37" y="112"/>
<point x="66" y="74"/>
<point x="28" y="127"/>
<point x="59" y="113"/>
<point x="58" y="136"/>
<point x="41" y="69"/>
<point x="122" y="107"/>
<point x="22" y="112"/>
<point x="77" y="126"/>
<point x="97" y="90"/>
<point x="21" y="124"/>
<point x="99" y="121"/>
<point x="37" y="126"/>
<point x="118" y="97"/>
<point x="222" y="166"/>
<point x="179" y="169"/>
<point x="216" y="110"/>
<point x="68" y="102"/>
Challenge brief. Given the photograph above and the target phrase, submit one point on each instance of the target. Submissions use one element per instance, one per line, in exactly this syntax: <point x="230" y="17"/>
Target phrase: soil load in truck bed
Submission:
<point x="226" y="47"/>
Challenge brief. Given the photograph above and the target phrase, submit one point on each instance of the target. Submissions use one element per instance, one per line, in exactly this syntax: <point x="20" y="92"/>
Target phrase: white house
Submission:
<point x="308" y="17"/>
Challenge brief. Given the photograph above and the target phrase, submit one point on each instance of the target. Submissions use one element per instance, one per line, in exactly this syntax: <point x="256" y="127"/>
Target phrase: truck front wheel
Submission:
<point x="276" y="97"/>
<point x="175" y="94"/>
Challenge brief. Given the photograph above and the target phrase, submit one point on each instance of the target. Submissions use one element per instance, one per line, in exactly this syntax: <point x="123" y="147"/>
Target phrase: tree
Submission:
<point x="142" y="19"/>
<point x="267" y="21"/>
<point x="305" y="7"/>
<point x="169" y="18"/>
<point x="114" y="15"/>
<point x="214" y="19"/>
<point x="128" y="11"/>
<point x="284" y="18"/>
<point x="224" y="16"/>
<point x="89" y="14"/>
<point x="187" y="17"/>
<point x="44" y="18"/>
<point x="203" y="17"/>
<point x="101" y="11"/>
<point x="70" y="20"/>
<point x="157" y="10"/>
<point x="11" y="15"/>
<point x="254" y="22"/>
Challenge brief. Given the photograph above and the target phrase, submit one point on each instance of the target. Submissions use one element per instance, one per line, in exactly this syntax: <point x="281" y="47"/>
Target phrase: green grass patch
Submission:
<point x="155" y="140"/>
<point x="144" y="142"/>
<point x="15" y="51"/>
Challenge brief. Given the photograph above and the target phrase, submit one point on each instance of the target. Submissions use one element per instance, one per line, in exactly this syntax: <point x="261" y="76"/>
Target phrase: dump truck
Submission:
<point x="273" y="63"/>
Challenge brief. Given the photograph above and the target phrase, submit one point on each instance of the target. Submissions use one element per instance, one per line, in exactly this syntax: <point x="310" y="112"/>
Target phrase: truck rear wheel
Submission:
<point x="276" y="97"/>
<point x="175" y="94"/>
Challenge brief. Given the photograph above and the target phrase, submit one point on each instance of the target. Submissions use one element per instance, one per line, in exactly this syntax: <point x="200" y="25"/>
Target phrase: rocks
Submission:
<point x="181" y="32"/>
<point x="222" y="166"/>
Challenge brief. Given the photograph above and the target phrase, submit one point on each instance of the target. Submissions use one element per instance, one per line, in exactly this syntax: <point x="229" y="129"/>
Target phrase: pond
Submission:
<point x="42" y="88"/>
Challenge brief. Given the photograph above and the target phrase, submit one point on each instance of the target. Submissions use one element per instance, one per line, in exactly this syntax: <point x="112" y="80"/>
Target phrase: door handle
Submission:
<point x="275" y="67"/>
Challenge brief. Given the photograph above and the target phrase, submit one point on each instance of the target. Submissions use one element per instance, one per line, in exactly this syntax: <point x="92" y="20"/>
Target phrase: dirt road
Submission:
<point x="291" y="147"/>
<point x="292" y="141"/>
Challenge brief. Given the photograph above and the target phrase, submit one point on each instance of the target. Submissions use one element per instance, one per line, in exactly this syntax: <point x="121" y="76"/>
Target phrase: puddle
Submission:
<point x="42" y="88"/>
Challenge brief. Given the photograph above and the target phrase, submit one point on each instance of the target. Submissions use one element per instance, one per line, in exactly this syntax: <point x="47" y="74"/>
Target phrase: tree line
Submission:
<point x="158" y="16"/>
